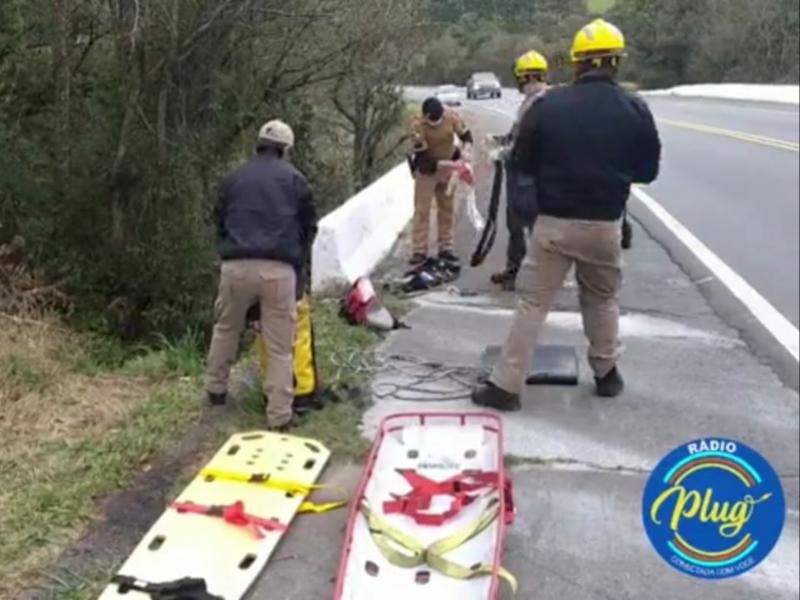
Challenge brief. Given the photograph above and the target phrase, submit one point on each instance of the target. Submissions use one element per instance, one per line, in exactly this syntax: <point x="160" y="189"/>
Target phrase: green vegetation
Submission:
<point x="117" y="120"/>
<point x="670" y="41"/>
<point x="20" y="375"/>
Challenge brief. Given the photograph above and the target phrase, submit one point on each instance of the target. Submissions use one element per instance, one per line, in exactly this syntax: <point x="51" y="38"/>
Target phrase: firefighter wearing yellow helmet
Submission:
<point x="583" y="146"/>
<point x="531" y="66"/>
<point x="530" y="72"/>
<point x="597" y="43"/>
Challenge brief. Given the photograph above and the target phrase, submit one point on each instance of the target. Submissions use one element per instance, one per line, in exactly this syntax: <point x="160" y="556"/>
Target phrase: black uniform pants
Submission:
<point x="516" y="224"/>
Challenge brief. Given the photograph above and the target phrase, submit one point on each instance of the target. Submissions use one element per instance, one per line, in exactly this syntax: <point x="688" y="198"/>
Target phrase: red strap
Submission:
<point x="419" y="499"/>
<point x="233" y="514"/>
<point x="511" y="508"/>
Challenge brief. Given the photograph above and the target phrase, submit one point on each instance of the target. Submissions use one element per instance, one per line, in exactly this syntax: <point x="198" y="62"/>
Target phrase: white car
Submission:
<point x="449" y="95"/>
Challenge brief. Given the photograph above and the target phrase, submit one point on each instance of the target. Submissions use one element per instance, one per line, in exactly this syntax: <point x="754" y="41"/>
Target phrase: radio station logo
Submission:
<point x="714" y="508"/>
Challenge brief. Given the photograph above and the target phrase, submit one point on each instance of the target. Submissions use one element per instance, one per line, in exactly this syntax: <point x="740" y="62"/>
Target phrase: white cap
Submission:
<point x="276" y="132"/>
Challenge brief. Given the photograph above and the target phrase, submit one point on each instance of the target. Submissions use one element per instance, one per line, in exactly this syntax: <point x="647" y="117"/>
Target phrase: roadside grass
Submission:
<point x="81" y="417"/>
<point x="21" y="375"/>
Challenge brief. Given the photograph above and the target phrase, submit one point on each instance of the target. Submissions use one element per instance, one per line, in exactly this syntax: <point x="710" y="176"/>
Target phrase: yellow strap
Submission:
<point x="404" y="551"/>
<point x="293" y="487"/>
<point x="313" y="507"/>
<point x="398" y="548"/>
<point x="270" y="482"/>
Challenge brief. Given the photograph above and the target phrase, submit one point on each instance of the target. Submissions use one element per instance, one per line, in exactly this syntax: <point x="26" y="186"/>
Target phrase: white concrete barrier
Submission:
<point x="785" y="94"/>
<point x="357" y="236"/>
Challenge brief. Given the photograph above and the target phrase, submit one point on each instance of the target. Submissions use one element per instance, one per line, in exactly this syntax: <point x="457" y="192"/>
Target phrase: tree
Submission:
<point x="367" y="94"/>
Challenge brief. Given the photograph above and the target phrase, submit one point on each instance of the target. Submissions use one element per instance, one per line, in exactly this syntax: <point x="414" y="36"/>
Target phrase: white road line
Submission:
<point x="779" y="326"/>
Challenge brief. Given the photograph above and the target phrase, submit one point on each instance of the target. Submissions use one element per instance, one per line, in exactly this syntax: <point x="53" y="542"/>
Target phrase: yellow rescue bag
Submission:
<point x="305" y="366"/>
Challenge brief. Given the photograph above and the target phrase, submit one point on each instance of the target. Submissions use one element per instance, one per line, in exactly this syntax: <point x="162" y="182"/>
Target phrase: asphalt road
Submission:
<point x="739" y="195"/>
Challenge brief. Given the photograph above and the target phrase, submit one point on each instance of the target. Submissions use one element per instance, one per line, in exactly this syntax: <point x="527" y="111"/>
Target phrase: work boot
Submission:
<point x="417" y="259"/>
<point x="611" y="385"/>
<point x="217" y="399"/>
<point x="305" y="404"/>
<point x="285" y="428"/>
<point x="510" y="283"/>
<point x="301" y="405"/>
<point x="506" y="279"/>
<point x="492" y="396"/>
<point x="449" y="257"/>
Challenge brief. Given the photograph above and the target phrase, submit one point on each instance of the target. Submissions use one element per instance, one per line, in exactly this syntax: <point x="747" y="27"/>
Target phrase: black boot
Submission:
<point x="305" y="404"/>
<point x="509" y="283"/>
<point x="285" y="428"/>
<point x="449" y="257"/>
<point x="491" y="396"/>
<point x="301" y="405"/>
<point x="217" y="399"/>
<point x="499" y="277"/>
<point x="506" y="278"/>
<point x="611" y="385"/>
<point x="417" y="259"/>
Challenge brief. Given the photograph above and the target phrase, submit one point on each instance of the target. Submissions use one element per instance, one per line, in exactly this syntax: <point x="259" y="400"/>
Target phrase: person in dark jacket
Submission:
<point x="266" y="223"/>
<point x="530" y="72"/>
<point x="583" y="145"/>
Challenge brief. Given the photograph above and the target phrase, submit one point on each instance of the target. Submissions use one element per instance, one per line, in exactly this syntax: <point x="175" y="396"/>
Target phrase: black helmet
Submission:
<point x="433" y="109"/>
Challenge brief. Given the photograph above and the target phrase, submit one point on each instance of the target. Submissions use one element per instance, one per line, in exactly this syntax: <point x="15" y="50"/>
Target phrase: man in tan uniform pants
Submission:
<point x="266" y="224"/>
<point x="434" y="136"/>
<point x="584" y="145"/>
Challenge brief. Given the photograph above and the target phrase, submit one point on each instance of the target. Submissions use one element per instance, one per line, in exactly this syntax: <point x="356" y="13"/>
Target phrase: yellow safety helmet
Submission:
<point x="599" y="39"/>
<point x="530" y="62"/>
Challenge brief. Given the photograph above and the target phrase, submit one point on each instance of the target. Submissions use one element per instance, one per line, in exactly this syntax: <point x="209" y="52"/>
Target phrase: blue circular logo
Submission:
<point x="714" y="508"/>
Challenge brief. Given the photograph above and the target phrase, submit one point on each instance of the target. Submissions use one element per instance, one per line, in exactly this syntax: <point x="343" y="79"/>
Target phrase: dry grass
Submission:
<point x="41" y="396"/>
<point x="67" y="438"/>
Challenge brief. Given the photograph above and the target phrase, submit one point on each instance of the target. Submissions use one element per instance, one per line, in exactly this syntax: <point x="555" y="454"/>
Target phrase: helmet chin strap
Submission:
<point x="435" y="123"/>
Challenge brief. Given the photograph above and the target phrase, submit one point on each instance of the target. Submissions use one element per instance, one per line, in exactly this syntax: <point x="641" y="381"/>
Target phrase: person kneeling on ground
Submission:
<point x="584" y="145"/>
<point x="433" y="141"/>
<point x="266" y="223"/>
<point x="530" y="71"/>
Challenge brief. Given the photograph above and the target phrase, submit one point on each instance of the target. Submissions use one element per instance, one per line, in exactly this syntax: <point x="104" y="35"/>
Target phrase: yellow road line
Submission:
<point x="737" y="135"/>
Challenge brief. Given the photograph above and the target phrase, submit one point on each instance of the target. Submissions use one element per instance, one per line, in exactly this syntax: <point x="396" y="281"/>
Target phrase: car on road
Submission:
<point x="449" y="95"/>
<point x="481" y="85"/>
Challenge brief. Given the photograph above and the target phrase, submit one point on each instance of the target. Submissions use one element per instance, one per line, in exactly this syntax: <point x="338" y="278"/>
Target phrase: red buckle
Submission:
<point x="233" y="514"/>
<point x="460" y="487"/>
<point x="510" y="507"/>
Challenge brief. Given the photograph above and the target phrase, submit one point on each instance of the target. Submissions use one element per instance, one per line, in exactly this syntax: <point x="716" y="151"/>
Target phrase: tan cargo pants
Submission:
<point x="594" y="248"/>
<point x="242" y="284"/>
<point x="426" y="188"/>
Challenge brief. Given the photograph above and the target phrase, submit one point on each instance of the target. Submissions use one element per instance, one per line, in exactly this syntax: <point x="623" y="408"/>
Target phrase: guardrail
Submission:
<point x="357" y="236"/>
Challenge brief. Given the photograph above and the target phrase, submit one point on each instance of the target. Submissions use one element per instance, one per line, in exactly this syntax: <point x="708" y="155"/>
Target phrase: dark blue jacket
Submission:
<point x="584" y="145"/>
<point x="265" y="210"/>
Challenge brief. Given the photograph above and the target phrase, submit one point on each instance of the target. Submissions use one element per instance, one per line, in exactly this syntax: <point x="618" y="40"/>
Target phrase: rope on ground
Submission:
<point x="423" y="380"/>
